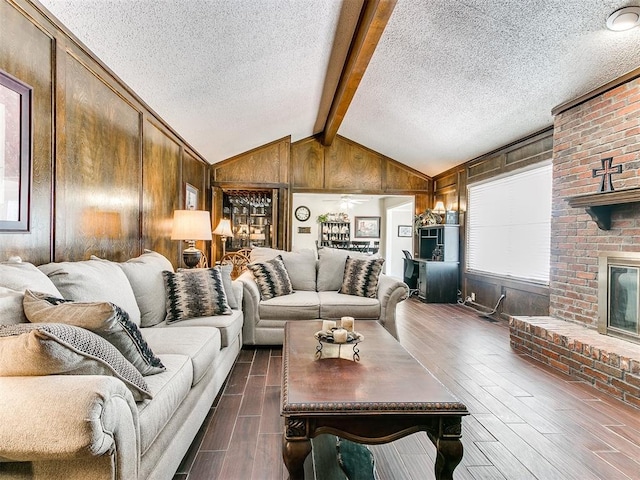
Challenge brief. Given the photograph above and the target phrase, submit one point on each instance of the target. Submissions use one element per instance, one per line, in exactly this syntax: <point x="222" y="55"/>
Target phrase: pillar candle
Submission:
<point x="347" y="323"/>
<point x="340" y="335"/>
<point x="327" y="325"/>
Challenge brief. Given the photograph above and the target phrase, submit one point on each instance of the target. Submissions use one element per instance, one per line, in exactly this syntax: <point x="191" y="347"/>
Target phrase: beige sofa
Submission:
<point x="316" y="284"/>
<point x="89" y="426"/>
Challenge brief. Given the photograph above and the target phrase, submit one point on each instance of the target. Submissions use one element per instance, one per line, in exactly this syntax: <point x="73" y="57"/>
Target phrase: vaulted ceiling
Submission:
<point x="449" y="80"/>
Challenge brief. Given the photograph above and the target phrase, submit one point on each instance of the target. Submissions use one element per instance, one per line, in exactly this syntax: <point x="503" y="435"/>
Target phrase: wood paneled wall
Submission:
<point x="308" y="166"/>
<point x="107" y="171"/>
<point x="521" y="298"/>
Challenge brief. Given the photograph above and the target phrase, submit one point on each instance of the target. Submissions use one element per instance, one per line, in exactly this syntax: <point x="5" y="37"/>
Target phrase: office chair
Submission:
<point x="411" y="272"/>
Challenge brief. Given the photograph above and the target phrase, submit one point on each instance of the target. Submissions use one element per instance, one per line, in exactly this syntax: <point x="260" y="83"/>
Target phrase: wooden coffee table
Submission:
<point x="385" y="396"/>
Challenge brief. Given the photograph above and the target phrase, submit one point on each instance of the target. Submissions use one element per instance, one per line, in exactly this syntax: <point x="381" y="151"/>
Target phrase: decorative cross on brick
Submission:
<point x="605" y="172"/>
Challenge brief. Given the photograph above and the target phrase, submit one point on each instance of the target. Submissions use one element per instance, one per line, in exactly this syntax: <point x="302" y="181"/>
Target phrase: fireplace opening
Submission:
<point x="619" y="295"/>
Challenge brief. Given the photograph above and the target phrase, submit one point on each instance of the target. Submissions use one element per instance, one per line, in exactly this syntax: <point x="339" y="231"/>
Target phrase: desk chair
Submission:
<point x="411" y="272"/>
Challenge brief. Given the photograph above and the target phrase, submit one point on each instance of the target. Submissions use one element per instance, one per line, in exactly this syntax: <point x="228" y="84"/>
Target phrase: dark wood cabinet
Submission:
<point x="437" y="281"/>
<point x="438" y="263"/>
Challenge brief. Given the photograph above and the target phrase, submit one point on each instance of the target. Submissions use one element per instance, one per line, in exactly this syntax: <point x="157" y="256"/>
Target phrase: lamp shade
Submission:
<point x="191" y="225"/>
<point x="224" y="228"/>
<point x="439" y="208"/>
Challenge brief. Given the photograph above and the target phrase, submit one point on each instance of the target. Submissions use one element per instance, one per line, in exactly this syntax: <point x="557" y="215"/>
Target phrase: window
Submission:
<point x="509" y="225"/>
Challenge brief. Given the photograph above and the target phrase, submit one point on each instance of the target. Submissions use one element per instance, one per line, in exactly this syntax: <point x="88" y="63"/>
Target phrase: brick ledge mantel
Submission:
<point x="599" y="205"/>
<point x="609" y="364"/>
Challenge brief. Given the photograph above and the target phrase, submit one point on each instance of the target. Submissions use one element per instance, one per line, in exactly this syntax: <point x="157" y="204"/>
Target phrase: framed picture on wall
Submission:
<point x="367" y="227"/>
<point x="15" y="153"/>
<point x="190" y="197"/>
<point x="405" y="230"/>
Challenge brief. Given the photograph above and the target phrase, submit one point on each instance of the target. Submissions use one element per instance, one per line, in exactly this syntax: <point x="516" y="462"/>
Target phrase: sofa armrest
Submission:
<point x="391" y="291"/>
<point x="69" y="417"/>
<point x="250" y="307"/>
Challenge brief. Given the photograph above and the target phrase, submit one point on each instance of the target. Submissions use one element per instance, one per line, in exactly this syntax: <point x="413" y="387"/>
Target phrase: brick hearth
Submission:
<point x="609" y="364"/>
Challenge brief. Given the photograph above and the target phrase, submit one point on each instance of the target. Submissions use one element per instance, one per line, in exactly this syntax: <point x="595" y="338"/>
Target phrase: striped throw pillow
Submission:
<point x="272" y="278"/>
<point x="361" y="277"/>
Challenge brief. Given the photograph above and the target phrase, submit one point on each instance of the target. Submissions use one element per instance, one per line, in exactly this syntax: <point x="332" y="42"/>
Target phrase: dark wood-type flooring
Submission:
<point x="526" y="422"/>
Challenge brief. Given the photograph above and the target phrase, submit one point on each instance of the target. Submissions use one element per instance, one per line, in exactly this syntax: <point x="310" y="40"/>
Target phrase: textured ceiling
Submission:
<point x="449" y="81"/>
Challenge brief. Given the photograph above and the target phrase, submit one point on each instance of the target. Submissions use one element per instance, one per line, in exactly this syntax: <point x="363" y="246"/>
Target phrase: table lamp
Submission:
<point x="224" y="230"/>
<point x="191" y="225"/>
<point x="440" y="210"/>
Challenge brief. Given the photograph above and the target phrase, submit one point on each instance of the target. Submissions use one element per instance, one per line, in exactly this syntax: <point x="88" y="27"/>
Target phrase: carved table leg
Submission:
<point x="448" y="446"/>
<point x="293" y="453"/>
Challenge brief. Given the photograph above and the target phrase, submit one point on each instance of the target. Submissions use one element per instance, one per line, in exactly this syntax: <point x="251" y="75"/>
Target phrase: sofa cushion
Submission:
<point x="331" y="263"/>
<point x="272" y="278"/>
<point x="361" y="277"/>
<point x="301" y="305"/>
<point x="198" y="292"/>
<point x="93" y="281"/>
<point x="169" y="390"/>
<point x="228" y="325"/>
<point x="145" y="276"/>
<point x="19" y="275"/>
<point x="227" y="282"/>
<point x="102" y="318"/>
<point x="36" y="349"/>
<point x="300" y="265"/>
<point x="334" y="305"/>
<point x="201" y="344"/>
<point x="11" y="311"/>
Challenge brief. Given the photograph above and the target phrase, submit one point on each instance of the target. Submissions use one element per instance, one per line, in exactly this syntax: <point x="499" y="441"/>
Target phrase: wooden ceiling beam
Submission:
<point x="374" y="17"/>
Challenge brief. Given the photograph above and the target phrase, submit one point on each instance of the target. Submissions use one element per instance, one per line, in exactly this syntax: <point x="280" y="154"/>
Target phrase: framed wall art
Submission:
<point x="405" y="230"/>
<point x="15" y="153"/>
<point x="367" y="227"/>
<point x="190" y="197"/>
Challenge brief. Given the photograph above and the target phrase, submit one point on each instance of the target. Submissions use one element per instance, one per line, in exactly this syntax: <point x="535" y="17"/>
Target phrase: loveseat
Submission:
<point x="318" y="286"/>
<point x="72" y="405"/>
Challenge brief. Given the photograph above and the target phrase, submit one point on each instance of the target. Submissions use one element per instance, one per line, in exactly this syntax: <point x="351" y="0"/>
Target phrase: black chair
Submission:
<point x="410" y="273"/>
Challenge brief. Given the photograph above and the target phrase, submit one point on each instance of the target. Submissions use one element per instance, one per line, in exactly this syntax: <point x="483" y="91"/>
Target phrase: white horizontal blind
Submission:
<point x="509" y="225"/>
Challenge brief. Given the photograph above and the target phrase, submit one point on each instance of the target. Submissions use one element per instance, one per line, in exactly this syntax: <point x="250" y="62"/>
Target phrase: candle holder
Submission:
<point x="327" y="337"/>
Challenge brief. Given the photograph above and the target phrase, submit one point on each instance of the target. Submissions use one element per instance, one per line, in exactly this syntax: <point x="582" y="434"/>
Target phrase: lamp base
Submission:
<point x="191" y="257"/>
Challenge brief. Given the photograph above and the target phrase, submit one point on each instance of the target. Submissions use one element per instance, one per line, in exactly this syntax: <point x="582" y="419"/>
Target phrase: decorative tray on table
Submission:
<point x="327" y="337"/>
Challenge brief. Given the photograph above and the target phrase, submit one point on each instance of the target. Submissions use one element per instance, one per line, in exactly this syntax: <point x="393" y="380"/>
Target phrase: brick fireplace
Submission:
<point x="587" y="132"/>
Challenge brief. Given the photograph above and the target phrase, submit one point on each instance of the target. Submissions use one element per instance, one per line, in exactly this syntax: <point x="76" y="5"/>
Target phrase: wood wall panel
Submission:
<point x="307" y="164"/>
<point x="349" y="166"/>
<point x="400" y="178"/>
<point x="161" y="191"/>
<point x="195" y="173"/>
<point x="26" y="53"/>
<point x="92" y="122"/>
<point x="98" y="182"/>
<point x="268" y="164"/>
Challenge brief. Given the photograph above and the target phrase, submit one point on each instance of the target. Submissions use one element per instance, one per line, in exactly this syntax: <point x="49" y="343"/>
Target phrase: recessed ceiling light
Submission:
<point x="624" y="19"/>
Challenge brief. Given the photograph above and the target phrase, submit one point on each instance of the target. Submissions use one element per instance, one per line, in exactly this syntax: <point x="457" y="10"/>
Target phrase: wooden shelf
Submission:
<point x="599" y="205"/>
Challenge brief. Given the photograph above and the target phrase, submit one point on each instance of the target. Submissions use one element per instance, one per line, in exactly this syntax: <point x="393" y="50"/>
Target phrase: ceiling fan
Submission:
<point x="347" y="202"/>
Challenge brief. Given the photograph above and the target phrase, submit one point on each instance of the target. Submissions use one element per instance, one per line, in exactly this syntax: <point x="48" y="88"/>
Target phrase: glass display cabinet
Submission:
<point x="252" y="221"/>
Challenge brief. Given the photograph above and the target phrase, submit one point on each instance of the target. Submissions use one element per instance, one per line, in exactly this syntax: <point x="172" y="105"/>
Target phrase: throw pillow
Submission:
<point x="19" y="275"/>
<point x="102" y="318"/>
<point x="94" y="281"/>
<point x="145" y="276"/>
<point x="198" y="292"/>
<point x="227" y="282"/>
<point x="11" y="311"/>
<point x="272" y="278"/>
<point x="300" y="265"/>
<point x="30" y="349"/>
<point x="361" y="277"/>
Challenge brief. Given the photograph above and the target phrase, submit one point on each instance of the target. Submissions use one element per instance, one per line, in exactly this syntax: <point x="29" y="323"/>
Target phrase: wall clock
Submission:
<point x="303" y="213"/>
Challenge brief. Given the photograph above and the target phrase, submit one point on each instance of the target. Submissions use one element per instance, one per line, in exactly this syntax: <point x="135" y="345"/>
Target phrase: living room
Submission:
<point x="100" y="152"/>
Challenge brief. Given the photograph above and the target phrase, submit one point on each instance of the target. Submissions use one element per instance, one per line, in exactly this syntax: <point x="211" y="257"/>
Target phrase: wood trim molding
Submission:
<point x="373" y="20"/>
<point x="627" y="77"/>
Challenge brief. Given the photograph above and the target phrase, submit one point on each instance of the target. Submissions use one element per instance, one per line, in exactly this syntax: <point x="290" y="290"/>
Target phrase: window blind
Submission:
<point x="509" y="225"/>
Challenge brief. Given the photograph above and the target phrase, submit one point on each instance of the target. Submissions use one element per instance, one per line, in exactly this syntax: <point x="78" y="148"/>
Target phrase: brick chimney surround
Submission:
<point x="605" y="125"/>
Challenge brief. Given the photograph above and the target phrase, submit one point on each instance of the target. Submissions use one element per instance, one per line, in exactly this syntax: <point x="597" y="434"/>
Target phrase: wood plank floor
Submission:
<point x="526" y="422"/>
